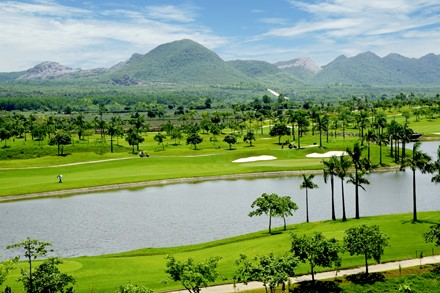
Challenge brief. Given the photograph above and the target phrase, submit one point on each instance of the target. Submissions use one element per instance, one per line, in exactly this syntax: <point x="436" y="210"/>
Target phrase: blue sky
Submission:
<point x="89" y="34"/>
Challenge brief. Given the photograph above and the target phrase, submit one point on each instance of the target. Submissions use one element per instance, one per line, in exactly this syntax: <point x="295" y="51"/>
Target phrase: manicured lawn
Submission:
<point x="175" y="162"/>
<point x="147" y="266"/>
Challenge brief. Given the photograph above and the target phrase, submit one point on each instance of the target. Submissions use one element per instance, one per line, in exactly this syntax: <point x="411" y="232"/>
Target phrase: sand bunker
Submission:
<point x="254" y="159"/>
<point x="327" y="154"/>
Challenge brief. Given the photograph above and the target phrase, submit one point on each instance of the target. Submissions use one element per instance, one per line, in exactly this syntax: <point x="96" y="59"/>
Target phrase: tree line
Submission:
<point x="284" y="118"/>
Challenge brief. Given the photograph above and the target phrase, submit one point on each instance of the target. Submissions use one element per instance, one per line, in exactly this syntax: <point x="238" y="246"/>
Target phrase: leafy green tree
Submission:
<point x="285" y="207"/>
<point x="114" y="129"/>
<point x="5" y="267"/>
<point x="133" y="288"/>
<point x="279" y="130"/>
<point x="316" y="250"/>
<point x="266" y="204"/>
<point x="4" y="134"/>
<point x="160" y="138"/>
<point x="193" y="276"/>
<point x="33" y="249"/>
<point x="194" y="139"/>
<point x="249" y="137"/>
<point x="365" y="240"/>
<point x="308" y="184"/>
<point x="271" y="270"/>
<point x="215" y="131"/>
<point x="330" y="167"/>
<point x="176" y="134"/>
<point x="167" y="127"/>
<point x="230" y="139"/>
<point x="48" y="278"/>
<point x="80" y="125"/>
<point x="133" y="138"/>
<point x="60" y="139"/>
<point x="137" y="122"/>
<point x="418" y="160"/>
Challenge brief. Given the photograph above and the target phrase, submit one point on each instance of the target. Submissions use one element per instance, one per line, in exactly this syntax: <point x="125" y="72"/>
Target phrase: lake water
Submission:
<point x="180" y="214"/>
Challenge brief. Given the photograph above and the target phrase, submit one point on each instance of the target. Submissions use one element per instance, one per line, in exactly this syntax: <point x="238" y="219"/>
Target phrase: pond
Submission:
<point x="180" y="214"/>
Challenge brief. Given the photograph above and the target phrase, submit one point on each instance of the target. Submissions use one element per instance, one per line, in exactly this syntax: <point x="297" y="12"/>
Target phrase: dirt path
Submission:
<point x="325" y="275"/>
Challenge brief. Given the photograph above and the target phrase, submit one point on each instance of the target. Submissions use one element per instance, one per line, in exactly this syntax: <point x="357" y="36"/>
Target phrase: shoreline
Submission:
<point x="114" y="187"/>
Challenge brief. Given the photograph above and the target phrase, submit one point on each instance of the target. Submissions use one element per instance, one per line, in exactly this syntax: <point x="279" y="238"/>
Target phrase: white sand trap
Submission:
<point x="254" y="159"/>
<point x="327" y="154"/>
<point x="309" y="146"/>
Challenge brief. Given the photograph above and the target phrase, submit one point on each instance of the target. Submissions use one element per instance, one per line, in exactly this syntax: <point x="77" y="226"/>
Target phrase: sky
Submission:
<point x="92" y="34"/>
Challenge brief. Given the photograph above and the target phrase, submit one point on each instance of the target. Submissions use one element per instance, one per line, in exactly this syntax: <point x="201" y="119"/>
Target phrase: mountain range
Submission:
<point x="188" y="63"/>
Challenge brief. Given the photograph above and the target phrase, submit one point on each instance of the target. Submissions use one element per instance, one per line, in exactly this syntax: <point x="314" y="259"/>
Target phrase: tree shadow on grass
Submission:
<point x="435" y="269"/>
<point x="363" y="278"/>
<point x="420" y="222"/>
<point x="317" y="286"/>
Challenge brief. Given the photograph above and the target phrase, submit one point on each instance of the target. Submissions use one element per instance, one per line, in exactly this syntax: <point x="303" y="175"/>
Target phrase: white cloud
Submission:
<point x="47" y="31"/>
<point x="169" y="12"/>
<point x="280" y="21"/>
<point x="334" y="27"/>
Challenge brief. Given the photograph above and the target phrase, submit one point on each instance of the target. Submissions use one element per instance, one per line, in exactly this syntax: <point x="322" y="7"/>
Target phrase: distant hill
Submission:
<point x="187" y="63"/>
<point x="368" y="68"/>
<point x="180" y="62"/>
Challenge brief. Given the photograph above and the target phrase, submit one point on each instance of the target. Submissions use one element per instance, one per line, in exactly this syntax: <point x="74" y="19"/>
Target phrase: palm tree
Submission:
<point x="341" y="171"/>
<point x="418" y="160"/>
<point x="358" y="180"/>
<point x="302" y="123"/>
<point x="369" y="137"/>
<point x="392" y="129"/>
<point x="405" y="136"/>
<point x="330" y="171"/>
<point x="362" y="122"/>
<point x="360" y="165"/>
<point x="382" y="139"/>
<point x="308" y="184"/>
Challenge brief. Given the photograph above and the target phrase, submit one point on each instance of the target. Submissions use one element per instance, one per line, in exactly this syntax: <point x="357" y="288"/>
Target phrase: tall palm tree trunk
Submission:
<point x="307" y="206"/>
<point x="414" y="197"/>
<point x="344" y="218"/>
<point x="356" y="190"/>
<point x="333" y="198"/>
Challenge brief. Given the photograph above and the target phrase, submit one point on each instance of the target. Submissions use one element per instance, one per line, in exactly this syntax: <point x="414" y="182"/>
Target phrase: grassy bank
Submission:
<point x="174" y="162"/>
<point x="147" y="266"/>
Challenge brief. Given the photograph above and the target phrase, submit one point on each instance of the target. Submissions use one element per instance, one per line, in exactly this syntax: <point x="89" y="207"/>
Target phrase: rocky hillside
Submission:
<point x="54" y="70"/>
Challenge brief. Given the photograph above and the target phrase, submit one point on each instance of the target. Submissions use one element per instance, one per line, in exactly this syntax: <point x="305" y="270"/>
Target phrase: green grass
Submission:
<point x="175" y="162"/>
<point x="146" y="266"/>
